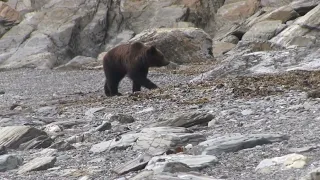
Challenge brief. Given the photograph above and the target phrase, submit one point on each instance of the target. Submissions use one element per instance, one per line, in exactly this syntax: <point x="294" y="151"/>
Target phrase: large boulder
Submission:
<point x="264" y="30"/>
<point x="283" y="14"/>
<point x="219" y="48"/>
<point x="304" y="32"/>
<point x="179" y="45"/>
<point x="256" y="21"/>
<point x="238" y="10"/>
<point x="232" y="13"/>
<point x="8" y="14"/>
<point x="8" y="17"/>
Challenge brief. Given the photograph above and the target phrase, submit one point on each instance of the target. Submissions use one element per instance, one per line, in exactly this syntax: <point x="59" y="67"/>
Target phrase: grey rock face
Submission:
<point x="38" y="164"/>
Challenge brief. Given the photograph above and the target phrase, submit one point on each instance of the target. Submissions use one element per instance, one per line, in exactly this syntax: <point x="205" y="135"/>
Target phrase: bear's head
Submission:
<point x="156" y="58"/>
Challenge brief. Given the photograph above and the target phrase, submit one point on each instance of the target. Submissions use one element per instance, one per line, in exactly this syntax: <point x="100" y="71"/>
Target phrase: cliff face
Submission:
<point x="51" y="33"/>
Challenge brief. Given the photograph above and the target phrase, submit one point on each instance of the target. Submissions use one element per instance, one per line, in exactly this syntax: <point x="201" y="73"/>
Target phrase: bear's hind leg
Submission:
<point x="106" y="89"/>
<point x="113" y="84"/>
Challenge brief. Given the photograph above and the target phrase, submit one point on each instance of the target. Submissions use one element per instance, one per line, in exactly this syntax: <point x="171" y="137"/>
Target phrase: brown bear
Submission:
<point x="133" y="60"/>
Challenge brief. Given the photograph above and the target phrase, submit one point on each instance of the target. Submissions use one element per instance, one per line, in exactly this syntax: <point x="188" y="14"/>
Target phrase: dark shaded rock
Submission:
<point x="174" y="167"/>
<point x="188" y="120"/>
<point x="62" y="146"/>
<point x="37" y="143"/>
<point x="9" y="161"/>
<point x="3" y="150"/>
<point x="314" y="94"/>
<point x="158" y="163"/>
<point x="104" y="126"/>
<point x="304" y="6"/>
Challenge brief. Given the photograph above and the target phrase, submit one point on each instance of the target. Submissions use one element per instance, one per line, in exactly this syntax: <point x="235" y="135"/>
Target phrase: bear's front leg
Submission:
<point x="140" y="78"/>
<point x="136" y="86"/>
<point x="148" y="84"/>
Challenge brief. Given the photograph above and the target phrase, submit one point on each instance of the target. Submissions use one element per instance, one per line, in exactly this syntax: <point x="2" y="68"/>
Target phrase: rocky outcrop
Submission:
<point x="57" y="32"/>
<point x="52" y="33"/>
<point x="264" y="62"/>
<point x="144" y="14"/>
<point x="304" y="32"/>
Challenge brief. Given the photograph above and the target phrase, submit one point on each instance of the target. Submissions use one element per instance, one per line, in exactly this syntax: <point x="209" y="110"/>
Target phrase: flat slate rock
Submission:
<point x="158" y="163"/>
<point x="188" y="120"/>
<point x="38" y="164"/>
<point x="171" y="176"/>
<point x="157" y="143"/>
<point x="164" y="130"/>
<point x="122" y="142"/>
<point x="183" y="176"/>
<point x="134" y="165"/>
<point x="237" y="142"/>
<point x="13" y="136"/>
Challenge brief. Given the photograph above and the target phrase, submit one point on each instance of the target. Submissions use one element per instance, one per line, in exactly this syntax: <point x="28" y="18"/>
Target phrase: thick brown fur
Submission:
<point x="134" y="61"/>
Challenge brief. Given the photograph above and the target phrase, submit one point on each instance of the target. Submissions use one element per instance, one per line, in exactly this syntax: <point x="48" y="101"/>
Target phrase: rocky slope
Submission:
<point x="239" y="101"/>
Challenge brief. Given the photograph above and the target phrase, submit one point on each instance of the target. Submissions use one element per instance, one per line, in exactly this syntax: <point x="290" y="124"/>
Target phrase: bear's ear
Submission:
<point x="152" y="50"/>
